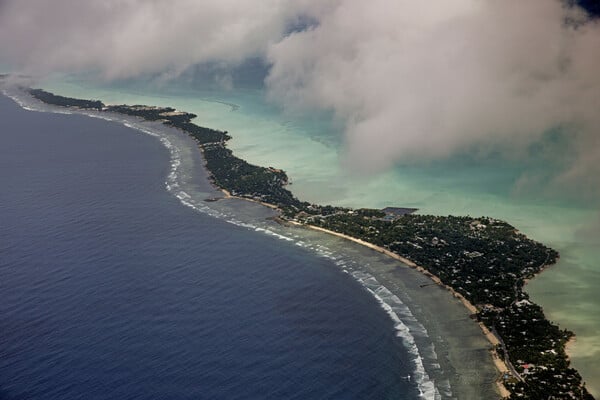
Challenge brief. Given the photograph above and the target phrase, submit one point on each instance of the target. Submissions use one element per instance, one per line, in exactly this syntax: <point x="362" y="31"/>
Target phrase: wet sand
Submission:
<point x="491" y="338"/>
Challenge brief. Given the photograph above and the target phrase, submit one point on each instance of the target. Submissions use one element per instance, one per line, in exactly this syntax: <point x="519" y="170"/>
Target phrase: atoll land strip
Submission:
<point x="485" y="262"/>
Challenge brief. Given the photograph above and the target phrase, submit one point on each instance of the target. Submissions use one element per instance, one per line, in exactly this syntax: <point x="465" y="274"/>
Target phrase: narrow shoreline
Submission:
<point x="490" y="337"/>
<point x="572" y="341"/>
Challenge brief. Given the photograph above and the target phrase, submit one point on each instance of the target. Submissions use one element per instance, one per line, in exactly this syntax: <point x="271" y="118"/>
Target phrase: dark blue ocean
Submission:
<point x="110" y="288"/>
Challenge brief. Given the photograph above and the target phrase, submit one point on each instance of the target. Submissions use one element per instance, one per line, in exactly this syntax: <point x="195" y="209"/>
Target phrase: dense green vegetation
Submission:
<point x="536" y="348"/>
<point x="51" y="98"/>
<point x="484" y="259"/>
<point x="487" y="261"/>
<point x="246" y="180"/>
<point x="177" y="119"/>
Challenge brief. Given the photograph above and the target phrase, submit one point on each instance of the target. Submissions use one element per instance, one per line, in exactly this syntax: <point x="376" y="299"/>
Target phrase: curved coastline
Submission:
<point x="491" y="337"/>
<point x="337" y="341"/>
<point x="500" y="365"/>
<point x="479" y="386"/>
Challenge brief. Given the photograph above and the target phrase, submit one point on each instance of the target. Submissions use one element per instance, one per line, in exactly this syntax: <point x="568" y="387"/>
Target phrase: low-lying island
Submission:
<point x="483" y="261"/>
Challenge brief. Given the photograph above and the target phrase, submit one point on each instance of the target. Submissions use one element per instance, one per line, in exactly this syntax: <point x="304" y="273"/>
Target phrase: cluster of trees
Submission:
<point x="243" y="179"/>
<point x="486" y="260"/>
<point x="51" y="98"/>
<point x="169" y="116"/>
<point x="536" y="347"/>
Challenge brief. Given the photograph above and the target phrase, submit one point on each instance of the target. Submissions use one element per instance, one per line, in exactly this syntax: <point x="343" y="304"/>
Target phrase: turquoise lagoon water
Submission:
<point x="310" y="149"/>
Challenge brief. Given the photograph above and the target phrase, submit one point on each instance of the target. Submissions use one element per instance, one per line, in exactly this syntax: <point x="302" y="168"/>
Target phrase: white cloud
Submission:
<point x="125" y="38"/>
<point x="409" y="80"/>
<point x="414" y="80"/>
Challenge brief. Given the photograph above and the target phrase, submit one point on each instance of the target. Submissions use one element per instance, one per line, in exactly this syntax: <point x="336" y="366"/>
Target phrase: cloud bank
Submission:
<point x="420" y="81"/>
<point x="126" y="38"/>
<point x="410" y="81"/>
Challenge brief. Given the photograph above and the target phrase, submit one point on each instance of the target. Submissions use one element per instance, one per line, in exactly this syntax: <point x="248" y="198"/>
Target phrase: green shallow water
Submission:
<point x="310" y="150"/>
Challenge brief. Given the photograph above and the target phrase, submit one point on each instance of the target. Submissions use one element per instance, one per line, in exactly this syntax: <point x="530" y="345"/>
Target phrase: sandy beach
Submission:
<point x="491" y="338"/>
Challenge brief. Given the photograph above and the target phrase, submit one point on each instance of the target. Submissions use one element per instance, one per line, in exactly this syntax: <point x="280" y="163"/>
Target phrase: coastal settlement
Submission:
<point x="483" y="261"/>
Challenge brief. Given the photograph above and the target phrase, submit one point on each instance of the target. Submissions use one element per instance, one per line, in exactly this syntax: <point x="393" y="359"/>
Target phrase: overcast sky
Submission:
<point x="410" y="81"/>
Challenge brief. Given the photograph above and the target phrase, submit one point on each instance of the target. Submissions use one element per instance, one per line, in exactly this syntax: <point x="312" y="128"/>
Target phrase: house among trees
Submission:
<point x="393" y="213"/>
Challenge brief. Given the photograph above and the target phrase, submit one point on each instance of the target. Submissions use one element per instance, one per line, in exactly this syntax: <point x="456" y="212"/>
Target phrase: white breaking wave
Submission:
<point x="271" y="233"/>
<point x="396" y="308"/>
